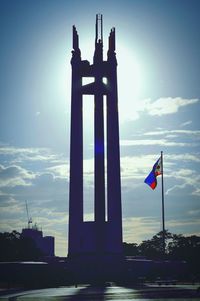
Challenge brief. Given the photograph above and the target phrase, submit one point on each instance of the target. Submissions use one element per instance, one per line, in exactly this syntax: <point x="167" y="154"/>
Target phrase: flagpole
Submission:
<point x="163" y="206"/>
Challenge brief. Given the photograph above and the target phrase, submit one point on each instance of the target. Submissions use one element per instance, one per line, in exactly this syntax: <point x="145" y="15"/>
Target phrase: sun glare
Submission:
<point x="131" y="76"/>
<point x="130" y="81"/>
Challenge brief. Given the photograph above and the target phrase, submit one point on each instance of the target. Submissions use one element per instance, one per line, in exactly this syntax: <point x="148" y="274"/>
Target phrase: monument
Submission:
<point x="100" y="237"/>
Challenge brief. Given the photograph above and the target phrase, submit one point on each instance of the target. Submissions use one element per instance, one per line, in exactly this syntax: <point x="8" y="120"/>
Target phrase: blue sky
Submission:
<point x="157" y="46"/>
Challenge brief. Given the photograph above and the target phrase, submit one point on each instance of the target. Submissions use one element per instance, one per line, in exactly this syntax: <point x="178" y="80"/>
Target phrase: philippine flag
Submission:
<point x="156" y="171"/>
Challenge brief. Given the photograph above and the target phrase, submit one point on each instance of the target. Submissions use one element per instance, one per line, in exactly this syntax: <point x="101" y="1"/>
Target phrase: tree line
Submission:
<point x="177" y="247"/>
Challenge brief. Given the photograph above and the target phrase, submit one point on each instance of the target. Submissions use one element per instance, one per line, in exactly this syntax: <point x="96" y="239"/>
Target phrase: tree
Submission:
<point x="15" y="248"/>
<point x="153" y="248"/>
<point x="188" y="249"/>
<point x="130" y="249"/>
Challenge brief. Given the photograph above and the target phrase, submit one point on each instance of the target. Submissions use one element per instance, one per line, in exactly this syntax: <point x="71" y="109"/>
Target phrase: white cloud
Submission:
<point x="187" y="138"/>
<point x="9" y="224"/>
<point x="14" y="176"/>
<point x="159" y="107"/>
<point x="186" y="123"/>
<point x="61" y="170"/>
<point x="196" y="192"/>
<point x="179" y="180"/>
<point x="189" y="182"/>
<point x="137" y="229"/>
<point x="136" y="166"/>
<point x="183" y="222"/>
<point x="9" y="206"/>
<point x="194" y="212"/>
<point x="11" y="209"/>
<point x="161" y="142"/>
<point x="186" y="157"/>
<point x="168" y="105"/>
<point x="48" y="223"/>
<point x="169" y="132"/>
<point x="189" y="176"/>
<point x="182" y="173"/>
<point x="31" y="154"/>
<point x="175" y="188"/>
<point x="10" y="150"/>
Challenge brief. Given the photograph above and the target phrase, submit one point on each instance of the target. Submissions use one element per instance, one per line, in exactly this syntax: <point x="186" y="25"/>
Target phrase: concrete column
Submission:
<point x="99" y="173"/>
<point x="76" y="167"/>
<point x="113" y="166"/>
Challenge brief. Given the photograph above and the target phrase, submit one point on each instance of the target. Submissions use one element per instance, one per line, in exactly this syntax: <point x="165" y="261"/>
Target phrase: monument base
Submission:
<point x="96" y="268"/>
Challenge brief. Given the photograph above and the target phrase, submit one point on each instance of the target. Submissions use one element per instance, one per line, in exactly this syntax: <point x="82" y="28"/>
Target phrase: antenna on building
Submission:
<point x="28" y="218"/>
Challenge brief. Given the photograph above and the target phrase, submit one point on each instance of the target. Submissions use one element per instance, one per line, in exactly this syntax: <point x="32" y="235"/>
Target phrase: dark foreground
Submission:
<point x="107" y="292"/>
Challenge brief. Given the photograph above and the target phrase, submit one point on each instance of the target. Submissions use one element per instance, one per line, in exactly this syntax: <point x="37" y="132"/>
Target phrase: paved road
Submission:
<point x="117" y="293"/>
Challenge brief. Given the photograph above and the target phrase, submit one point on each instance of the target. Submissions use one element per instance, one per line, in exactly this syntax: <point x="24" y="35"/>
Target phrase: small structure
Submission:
<point x="44" y="243"/>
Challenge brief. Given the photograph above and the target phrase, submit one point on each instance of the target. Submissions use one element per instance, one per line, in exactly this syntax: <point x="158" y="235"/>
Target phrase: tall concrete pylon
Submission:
<point x="100" y="236"/>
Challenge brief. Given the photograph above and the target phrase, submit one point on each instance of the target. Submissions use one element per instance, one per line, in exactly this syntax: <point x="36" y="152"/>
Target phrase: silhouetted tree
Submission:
<point x="9" y="243"/>
<point x="178" y="247"/>
<point x="153" y="248"/>
<point x="130" y="249"/>
<point x="186" y="248"/>
<point x="181" y="246"/>
<point x="15" y="248"/>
